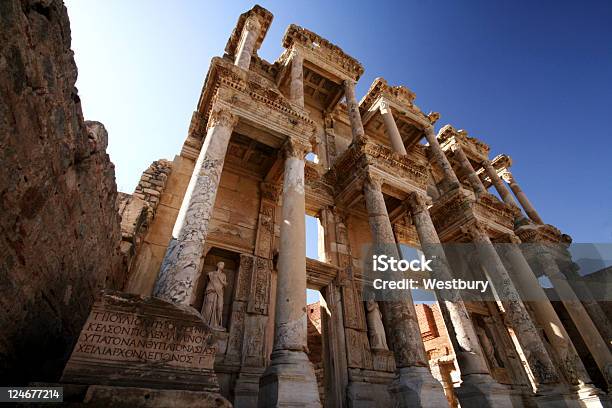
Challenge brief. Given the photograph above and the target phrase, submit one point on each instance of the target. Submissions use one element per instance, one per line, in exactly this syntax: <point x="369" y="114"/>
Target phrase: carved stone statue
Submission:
<point x="376" y="330"/>
<point x="212" y="310"/>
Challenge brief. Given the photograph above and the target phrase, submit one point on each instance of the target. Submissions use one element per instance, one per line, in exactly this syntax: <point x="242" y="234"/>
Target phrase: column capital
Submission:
<point x="417" y="203"/>
<point x="252" y="23"/>
<point x="507" y="176"/>
<point x="222" y="116"/>
<point x="270" y="191"/>
<point x="372" y="181"/>
<point x="295" y="148"/>
<point x="475" y="231"/>
<point x="384" y="107"/>
<point x="349" y="83"/>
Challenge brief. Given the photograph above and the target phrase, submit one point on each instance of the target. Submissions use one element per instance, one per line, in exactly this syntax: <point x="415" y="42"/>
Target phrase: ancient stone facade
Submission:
<point x="59" y="227"/>
<point x="272" y="142"/>
<point x="219" y="231"/>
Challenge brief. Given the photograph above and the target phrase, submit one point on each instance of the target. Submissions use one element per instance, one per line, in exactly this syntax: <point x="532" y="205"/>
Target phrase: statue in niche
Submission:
<point x="487" y="347"/>
<point x="376" y="330"/>
<point x="212" y="311"/>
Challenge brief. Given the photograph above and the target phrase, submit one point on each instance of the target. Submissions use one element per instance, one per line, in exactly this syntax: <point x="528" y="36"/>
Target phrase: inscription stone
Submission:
<point x="133" y="341"/>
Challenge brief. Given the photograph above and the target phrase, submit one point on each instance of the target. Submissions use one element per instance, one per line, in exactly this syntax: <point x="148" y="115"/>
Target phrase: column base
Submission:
<point x="590" y="396"/>
<point x="246" y="391"/>
<point x="416" y="387"/>
<point x="556" y="397"/>
<point x="289" y="381"/>
<point x="481" y="390"/>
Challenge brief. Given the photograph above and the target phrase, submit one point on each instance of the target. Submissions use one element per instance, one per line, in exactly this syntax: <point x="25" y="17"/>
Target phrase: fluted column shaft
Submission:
<point x="250" y="33"/>
<point x="296" y="83"/>
<point x="498" y="183"/>
<point x="473" y="178"/>
<point x="522" y="198"/>
<point x="441" y="159"/>
<point x="180" y="268"/>
<point x="392" y="131"/>
<point x="587" y="329"/>
<point x="539" y="361"/>
<point x="353" y="110"/>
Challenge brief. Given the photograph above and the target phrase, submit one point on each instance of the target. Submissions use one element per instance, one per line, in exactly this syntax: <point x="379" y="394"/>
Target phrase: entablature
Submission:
<point x="460" y="207"/>
<point x="409" y="118"/>
<point x="476" y="150"/>
<point x="263" y="112"/>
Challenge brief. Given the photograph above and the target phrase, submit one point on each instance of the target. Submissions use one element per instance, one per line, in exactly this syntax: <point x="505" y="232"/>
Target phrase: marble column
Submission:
<point x="522" y="198"/>
<point x="392" y="131"/>
<point x="473" y="178"/>
<point x="548" y="384"/>
<point x="498" y="183"/>
<point x="180" y="269"/>
<point x="478" y="388"/>
<point x="290" y="380"/>
<point x="353" y="110"/>
<point x="587" y="329"/>
<point x="535" y="298"/>
<point x="450" y="178"/>
<point x="296" y="80"/>
<point x="414" y="385"/>
<point x="250" y="34"/>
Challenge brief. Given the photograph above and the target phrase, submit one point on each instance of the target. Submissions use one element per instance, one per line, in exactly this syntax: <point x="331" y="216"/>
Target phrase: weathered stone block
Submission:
<point x="133" y="341"/>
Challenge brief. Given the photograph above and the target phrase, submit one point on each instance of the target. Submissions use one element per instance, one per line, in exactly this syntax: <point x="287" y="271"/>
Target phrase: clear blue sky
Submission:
<point x="531" y="78"/>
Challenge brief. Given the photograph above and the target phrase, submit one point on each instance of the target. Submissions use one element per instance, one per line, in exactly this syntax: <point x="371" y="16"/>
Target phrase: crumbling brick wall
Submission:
<point x="59" y="227"/>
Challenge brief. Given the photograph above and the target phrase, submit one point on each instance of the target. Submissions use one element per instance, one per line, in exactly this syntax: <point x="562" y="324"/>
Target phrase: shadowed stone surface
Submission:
<point x="57" y="195"/>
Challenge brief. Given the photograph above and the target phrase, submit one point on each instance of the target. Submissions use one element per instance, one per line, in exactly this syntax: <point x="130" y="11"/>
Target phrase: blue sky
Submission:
<point x="531" y="78"/>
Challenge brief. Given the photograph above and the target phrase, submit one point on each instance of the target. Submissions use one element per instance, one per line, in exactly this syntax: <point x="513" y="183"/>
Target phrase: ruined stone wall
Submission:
<point x="59" y="228"/>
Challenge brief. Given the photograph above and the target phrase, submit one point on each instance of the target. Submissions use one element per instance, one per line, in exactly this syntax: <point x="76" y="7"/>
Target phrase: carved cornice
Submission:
<point x="323" y="49"/>
<point x="488" y="207"/>
<point x="473" y="148"/>
<point x="360" y="155"/>
<point x="398" y="95"/>
<point x="255" y="16"/>
<point x="542" y="233"/>
<point x="501" y="162"/>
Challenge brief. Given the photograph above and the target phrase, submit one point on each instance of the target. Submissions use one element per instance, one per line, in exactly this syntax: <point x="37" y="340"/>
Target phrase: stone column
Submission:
<point x="587" y="329"/>
<point x="296" y="81"/>
<point x="501" y="188"/>
<point x="539" y="362"/>
<point x="290" y="378"/>
<point x="473" y="178"/>
<point x="250" y="33"/>
<point x="440" y="158"/>
<point x="478" y="388"/>
<point x="414" y="385"/>
<point x="353" y="110"/>
<point x="522" y="198"/>
<point x="180" y="269"/>
<point x="535" y="298"/>
<point x="392" y="130"/>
